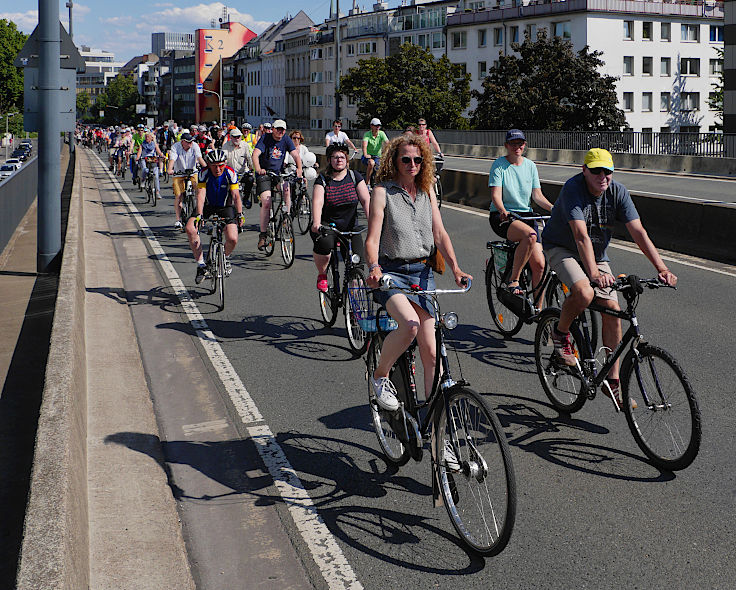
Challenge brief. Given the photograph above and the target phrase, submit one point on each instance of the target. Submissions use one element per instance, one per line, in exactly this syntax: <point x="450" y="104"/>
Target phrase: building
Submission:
<point x="101" y="67"/>
<point x="664" y="53"/>
<point x="177" y="103"/>
<point x="162" y="43"/>
<point x="729" y="86"/>
<point x="296" y="55"/>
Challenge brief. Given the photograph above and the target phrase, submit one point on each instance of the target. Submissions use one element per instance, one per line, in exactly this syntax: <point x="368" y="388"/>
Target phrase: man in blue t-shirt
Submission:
<point x="514" y="183"/>
<point x="268" y="156"/>
<point x="575" y="241"/>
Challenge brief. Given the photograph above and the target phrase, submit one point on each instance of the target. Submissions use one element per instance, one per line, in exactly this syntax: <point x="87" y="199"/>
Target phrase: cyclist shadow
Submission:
<point x="162" y="297"/>
<point x="555" y="440"/>
<point x="483" y="345"/>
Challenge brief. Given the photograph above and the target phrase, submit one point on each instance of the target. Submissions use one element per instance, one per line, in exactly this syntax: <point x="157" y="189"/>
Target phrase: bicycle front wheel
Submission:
<point x="154" y="194"/>
<point x="507" y="322"/>
<point x="666" y="422"/>
<point x="304" y="214"/>
<point x="438" y="191"/>
<point x="474" y="472"/>
<point x="270" y="238"/>
<point x="357" y="307"/>
<point x="212" y="266"/>
<point x="328" y="301"/>
<point x="287" y="240"/>
<point x="221" y="274"/>
<point x="563" y="385"/>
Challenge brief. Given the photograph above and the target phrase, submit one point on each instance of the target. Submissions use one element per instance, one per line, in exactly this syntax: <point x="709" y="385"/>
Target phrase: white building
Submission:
<point x="101" y="67"/>
<point x="664" y="53"/>
<point x="161" y="43"/>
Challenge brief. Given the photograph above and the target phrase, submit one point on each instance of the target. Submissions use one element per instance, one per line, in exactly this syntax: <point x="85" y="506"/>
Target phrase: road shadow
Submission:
<point x="484" y="345"/>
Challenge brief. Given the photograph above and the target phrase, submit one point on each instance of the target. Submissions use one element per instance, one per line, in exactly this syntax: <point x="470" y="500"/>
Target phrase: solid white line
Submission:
<point x="620" y="246"/>
<point x="321" y="542"/>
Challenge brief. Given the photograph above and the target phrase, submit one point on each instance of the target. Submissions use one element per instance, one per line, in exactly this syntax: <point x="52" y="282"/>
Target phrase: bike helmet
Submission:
<point x="338" y="147"/>
<point x="247" y="126"/>
<point x="214" y="156"/>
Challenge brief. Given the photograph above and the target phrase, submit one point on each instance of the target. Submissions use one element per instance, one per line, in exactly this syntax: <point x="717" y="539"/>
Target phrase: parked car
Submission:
<point x="14" y="162"/>
<point x="6" y="170"/>
<point x="20" y="155"/>
<point x="26" y="144"/>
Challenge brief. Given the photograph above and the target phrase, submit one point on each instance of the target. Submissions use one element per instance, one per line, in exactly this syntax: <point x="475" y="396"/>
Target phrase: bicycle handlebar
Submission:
<point x="624" y="282"/>
<point x="534" y="218"/>
<point x="387" y="282"/>
<point x="323" y="229"/>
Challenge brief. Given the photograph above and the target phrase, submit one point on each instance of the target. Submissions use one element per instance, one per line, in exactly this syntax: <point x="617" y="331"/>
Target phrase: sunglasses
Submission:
<point x="407" y="160"/>
<point x="599" y="169"/>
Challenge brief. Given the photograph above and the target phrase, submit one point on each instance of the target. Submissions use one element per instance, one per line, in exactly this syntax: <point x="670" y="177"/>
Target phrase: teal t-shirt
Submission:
<point x="375" y="143"/>
<point x="517" y="183"/>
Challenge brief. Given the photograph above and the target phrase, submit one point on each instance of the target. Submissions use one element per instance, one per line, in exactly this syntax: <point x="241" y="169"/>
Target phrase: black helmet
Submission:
<point x="337" y="147"/>
<point x="215" y="156"/>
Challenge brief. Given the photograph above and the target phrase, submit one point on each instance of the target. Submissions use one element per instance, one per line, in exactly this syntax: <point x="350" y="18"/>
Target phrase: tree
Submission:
<point x="715" y="100"/>
<point x="118" y="101"/>
<point x="83" y="104"/>
<point x="548" y="86"/>
<point x="407" y="86"/>
<point x="11" y="42"/>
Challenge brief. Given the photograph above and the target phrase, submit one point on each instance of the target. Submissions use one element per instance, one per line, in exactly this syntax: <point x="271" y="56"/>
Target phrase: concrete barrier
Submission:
<point x="54" y="554"/>
<point x="17" y="192"/>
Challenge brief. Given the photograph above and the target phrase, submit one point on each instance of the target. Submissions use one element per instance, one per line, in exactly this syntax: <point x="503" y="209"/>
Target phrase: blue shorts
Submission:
<point x="406" y="275"/>
<point x="376" y="159"/>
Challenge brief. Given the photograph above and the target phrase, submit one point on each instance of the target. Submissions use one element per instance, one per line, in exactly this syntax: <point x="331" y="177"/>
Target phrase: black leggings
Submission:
<point x="323" y="244"/>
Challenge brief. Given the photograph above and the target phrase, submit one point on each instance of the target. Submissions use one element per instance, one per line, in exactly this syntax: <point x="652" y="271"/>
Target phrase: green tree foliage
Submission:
<point x="11" y="78"/>
<point x="547" y="85"/>
<point x="407" y="86"/>
<point x="83" y="103"/>
<point x="118" y="101"/>
<point x="715" y="100"/>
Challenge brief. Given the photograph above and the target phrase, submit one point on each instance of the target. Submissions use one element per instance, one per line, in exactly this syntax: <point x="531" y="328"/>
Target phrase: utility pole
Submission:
<point x="70" y="5"/>
<point x="337" y="61"/>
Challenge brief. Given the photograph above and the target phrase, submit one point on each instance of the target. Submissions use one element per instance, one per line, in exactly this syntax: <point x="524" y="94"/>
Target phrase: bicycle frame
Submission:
<point x="344" y="239"/>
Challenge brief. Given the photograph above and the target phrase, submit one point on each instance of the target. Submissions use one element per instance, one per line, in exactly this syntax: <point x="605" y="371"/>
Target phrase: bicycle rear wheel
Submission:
<point x="507" y="322"/>
<point x="668" y="428"/>
<point x="328" y="301"/>
<point x="212" y="266"/>
<point x="287" y="240"/>
<point x="270" y="238"/>
<point x="154" y="194"/>
<point x="563" y="385"/>
<point x="304" y="213"/>
<point x="357" y="306"/>
<point x="476" y="478"/>
<point x="438" y="191"/>
<point x="221" y="274"/>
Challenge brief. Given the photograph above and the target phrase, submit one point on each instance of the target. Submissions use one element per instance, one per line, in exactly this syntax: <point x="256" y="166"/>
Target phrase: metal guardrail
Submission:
<point x="17" y="192"/>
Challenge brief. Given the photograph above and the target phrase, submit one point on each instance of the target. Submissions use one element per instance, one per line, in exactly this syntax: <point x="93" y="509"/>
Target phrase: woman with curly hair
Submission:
<point x="404" y="227"/>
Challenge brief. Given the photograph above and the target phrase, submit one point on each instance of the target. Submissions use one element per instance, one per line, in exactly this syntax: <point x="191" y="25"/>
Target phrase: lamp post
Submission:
<point x="219" y="98"/>
<point x="7" y="139"/>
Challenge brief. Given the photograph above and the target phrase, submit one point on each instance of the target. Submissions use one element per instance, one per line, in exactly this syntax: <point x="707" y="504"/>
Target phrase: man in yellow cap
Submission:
<point x="575" y="241"/>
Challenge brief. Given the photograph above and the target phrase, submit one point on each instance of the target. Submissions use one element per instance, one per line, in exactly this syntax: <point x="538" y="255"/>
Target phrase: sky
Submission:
<point x="125" y="28"/>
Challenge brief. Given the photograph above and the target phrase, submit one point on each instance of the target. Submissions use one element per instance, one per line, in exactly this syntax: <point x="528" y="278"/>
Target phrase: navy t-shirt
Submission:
<point x="273" y="152"/>
<point x="599" y="214"/>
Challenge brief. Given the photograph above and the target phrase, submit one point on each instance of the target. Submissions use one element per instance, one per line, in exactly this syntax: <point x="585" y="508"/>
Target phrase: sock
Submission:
<point x="557" y="329"/>
<point x="201" y="260"/>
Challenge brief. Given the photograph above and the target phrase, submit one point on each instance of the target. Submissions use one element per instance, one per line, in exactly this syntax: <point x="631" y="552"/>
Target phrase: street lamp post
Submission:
<point x="219" y="98"/>
<point x="7" y="119"/>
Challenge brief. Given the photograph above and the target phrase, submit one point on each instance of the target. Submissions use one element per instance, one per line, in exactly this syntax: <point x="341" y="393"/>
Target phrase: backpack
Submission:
<point x="326" y="180"/>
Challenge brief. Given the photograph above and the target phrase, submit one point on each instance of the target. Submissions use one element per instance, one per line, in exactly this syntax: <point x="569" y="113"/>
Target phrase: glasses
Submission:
<point x="339" y="156"/>
<point x="422" y="124"/>
<point x="597" y="171"/>
<point x="336" y="125"/>
<point x="417" y="160"/>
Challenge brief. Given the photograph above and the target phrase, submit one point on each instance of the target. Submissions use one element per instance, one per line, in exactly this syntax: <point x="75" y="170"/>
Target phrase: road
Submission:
<point x="592" y="513"/>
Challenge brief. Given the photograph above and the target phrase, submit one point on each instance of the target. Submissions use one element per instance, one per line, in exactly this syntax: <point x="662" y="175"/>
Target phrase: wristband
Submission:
<point x="372" y="266"/>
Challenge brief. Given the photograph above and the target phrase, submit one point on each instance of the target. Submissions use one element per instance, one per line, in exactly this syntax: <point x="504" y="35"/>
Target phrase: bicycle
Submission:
<point x="148" y="182"/>
<point x="188" y="204"/>
<point x="353" y="296"/>
<point x="471" y="462"/>
<point x="439" y="162"/>
<point x="510" y="312"/>
<point x="279" y="225"/>
<point x="301" y="207"/>
<point x="216" y="268"/>
<point x="657" y="398"/>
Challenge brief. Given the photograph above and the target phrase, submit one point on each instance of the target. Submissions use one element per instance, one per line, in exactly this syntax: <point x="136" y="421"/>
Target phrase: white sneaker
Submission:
<point x="228" y="267"/>
<point x="451" y="461"/>
<point x="178" y="225"/>
<point x="385" y="394"/>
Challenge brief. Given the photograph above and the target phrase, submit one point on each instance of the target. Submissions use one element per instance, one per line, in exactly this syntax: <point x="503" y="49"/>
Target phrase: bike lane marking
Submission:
<point x="322" y="544"/>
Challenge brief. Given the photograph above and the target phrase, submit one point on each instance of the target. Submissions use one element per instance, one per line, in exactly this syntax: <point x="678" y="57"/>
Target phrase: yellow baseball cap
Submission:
<point x="598" y="158"/>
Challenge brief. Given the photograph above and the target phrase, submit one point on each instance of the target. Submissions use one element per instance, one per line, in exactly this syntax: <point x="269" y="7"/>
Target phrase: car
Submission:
<point x="20" y="155"/>
<point x="6" y="170"/>
<point x="14" y="162"/>
<point x="26" y="144"/>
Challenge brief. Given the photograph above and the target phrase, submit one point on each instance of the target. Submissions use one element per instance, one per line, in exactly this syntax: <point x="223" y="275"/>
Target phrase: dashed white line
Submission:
<point x="325" y="551"/>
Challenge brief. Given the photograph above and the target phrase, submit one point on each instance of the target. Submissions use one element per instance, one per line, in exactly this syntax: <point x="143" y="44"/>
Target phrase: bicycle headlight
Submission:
<point x="355" y="258"/>
<point x="449" y="320"/>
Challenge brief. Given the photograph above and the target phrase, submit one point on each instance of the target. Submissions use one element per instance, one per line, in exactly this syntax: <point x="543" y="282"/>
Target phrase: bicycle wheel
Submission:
<point x="270" y="238"/>
<point x="477" y="484"/>
<point x="357" y="306"/>
<point x="304" y="214"/>
<point x="221" y="274"/>
<point x="287" y="240"/>
<point x="328" y="301"/>
<point x="393" y="449"/>
<point x="507" y="322"/>
<point x="154" y="194"/>
<point x="555" y="296"/>
<point x="563" y="385"/>
<point x="668" y="428"/>
<point x="438" y="191"/>
<point x="212" y="266"/>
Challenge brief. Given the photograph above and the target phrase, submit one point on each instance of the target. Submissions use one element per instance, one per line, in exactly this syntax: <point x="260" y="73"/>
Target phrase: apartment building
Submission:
<point x="664" y="53"/>
<point x="297" y="57"/>
<point x="101" y="67"/>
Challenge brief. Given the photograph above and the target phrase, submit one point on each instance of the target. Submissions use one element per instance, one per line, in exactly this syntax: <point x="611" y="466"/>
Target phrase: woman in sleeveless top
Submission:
<point x="404" y="226"/>
<point x="426" y="133"/>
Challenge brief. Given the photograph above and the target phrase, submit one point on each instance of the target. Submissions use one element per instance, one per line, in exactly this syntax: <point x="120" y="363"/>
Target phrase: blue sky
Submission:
<point x="125" y="27"/>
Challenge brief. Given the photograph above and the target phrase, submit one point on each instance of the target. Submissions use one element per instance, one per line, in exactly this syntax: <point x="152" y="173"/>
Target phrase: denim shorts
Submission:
<point x="406" y="275"/>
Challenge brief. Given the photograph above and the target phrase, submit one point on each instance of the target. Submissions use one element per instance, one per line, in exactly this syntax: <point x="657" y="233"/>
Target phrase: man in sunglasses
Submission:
<point x="575" y="241"/>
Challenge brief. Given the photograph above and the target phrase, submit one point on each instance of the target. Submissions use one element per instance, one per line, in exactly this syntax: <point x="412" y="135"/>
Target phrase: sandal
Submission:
<point x="514" y="288"/>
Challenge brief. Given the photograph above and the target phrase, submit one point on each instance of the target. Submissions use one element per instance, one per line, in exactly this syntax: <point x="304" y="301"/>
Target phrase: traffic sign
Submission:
<point x="200" y="88"/>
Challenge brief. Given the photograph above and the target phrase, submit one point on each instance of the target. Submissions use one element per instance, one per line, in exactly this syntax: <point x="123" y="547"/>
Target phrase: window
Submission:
<point x="690" y="66"/>
<point x="463" y="68"/>
<point x="482" y="41"/>
<point x="423" y="41"/>
<point x="317" y="53"/>
<point x="482" y="70"/>
<point x="406" y="39"/>
<point x="351" y="49"/>
<point x="562" y="30"/>
<point x="716" y="34"/>
<point x="665" y="32"/>
<point x="715" y="67"/>
<point x="329" y="51"/>
<point x="665" y="66"/>
<point x="628" y="101"/>
<point x="646" y="101"/>
<point x="664" y="102"/>
<point x="329" y="75"/>
<point x="514" y="33"/>
<point x="316" y="124"/>
<point x="647" y="31"/>
<point x="689" y="101"/>
<point x="647" y="65"/>
<point x="316" y="100"/>
<point x="438" y="40"/>
<point x="459" y="40"/>
<point x="498" y="36"/>
<point x="629" y="30"/>
<point x="531" y="30"/>
<point x="367" y="47"/>
<point x="316" y="77"/>
<point x="628" y="65"/>
<point x="690" y="33"/>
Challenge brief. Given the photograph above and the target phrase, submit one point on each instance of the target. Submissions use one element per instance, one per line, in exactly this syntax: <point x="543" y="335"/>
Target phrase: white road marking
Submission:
<point x="326" y="553"/>
<point x="622" y="246"/>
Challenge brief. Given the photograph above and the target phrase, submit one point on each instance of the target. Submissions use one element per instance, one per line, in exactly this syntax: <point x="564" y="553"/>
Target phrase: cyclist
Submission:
<point x="576" y="239"/>
<point x="337" y="135"/>
<point x="149" y="149"/>
<point x="373" y="141"/>
<point x="184" y="155"/>
<point x="514" y="179"/>
<point x="249" y="136"/>
<point x="217" y="194"/>
<point x="309" y="159"/>
<point x="240" y="158"/>
<point x="428" y="136"/>
<point x="269" y="155"/>
<point x="404" y="227"/>
<point x="138" y="136"/>
<point x="335" y="198"/>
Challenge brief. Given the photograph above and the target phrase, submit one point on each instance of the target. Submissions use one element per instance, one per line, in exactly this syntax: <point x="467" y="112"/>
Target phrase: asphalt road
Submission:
<point x="592" y="513"/>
